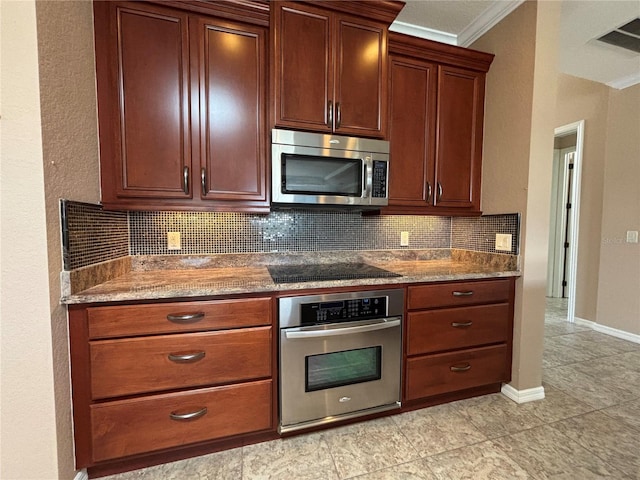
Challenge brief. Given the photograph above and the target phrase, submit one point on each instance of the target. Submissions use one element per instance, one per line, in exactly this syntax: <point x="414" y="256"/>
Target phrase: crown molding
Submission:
<point x="424" y="32"/>
<point x="483" y="23"/>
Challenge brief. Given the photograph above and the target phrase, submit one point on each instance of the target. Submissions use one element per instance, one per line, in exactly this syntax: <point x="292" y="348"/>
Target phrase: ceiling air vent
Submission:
<point x="627" y="36"/>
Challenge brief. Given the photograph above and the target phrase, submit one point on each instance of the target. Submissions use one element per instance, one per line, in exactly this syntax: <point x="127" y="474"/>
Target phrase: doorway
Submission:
<point x="562" y="263"/>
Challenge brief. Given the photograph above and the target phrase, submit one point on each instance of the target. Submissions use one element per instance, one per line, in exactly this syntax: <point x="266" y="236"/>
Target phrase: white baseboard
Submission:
<point x="82" y="475"/>
<point x="523" y="396"/>
<point x="614" y="332"/>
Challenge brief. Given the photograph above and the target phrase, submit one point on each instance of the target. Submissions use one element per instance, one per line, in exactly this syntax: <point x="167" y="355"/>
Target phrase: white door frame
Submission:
<point x="578" y="128"/>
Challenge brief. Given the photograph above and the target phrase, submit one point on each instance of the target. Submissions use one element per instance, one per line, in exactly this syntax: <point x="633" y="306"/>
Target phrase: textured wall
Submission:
<point x="70" y="155"/>
<point x="619" y="279"/>
<point x="580" y="99"/>
<point x="28" y="416"/>
<point x="516" y="173"/>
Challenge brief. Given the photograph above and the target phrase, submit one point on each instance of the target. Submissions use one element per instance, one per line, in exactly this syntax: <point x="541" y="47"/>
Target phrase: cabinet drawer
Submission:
<point x="128" y="427"/>
<point x="449" y="372"/>
<point x="148" y="364"/>
<point x="129" y="320"/>
<point x="452" y="328"/>
<point x="452" y="294"/>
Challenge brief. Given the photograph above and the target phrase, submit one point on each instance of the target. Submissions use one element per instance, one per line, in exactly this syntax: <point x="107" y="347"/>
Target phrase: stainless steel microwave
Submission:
<point x="327" y="170"/>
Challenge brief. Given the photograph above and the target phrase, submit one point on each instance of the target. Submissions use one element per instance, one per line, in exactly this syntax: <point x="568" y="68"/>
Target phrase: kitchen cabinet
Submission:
<point x="436" y="124"/>
<point x="458" y="337"/>
<point x="182" y="107"/>
<point x="329" y="66"/>
<point x="162" y="377"/>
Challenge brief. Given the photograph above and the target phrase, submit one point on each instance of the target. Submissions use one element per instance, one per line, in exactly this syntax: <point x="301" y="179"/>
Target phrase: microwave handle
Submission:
<point x="367" y="183"/>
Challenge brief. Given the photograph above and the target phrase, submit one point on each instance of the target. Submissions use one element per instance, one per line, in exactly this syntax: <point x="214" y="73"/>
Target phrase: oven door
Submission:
<point x="337" y="371"/>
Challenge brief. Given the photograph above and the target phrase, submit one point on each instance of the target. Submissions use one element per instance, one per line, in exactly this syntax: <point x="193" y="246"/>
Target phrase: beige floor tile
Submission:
<point x="556" y="405"/>
<point x="304" y="457"/>
<point x="226" y="465"/>
<point x="586" y="388"/>
<point x="480" y="461"/>
<point x="546" y="453"/>
<point x="368" y="446"/>
<point x="416" y="470"/>
<point x="437" y="429"/>
<point x="628" y="413"/>
<point x="496" y="415"/>
<point x="612" y="440"/>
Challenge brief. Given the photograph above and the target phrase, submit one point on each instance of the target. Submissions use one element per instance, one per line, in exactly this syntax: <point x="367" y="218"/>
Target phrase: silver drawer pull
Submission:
<point x="460" y="368"/>
<point x="185" y="317"/>
<point x="463" y="294"/>
<point x="188" y="416"/>
<point x="186" y="357"/>
<point x="461" y="324"/>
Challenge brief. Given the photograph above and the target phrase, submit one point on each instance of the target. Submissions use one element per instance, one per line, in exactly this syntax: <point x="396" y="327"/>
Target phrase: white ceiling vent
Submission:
<point x="627" y="36"/>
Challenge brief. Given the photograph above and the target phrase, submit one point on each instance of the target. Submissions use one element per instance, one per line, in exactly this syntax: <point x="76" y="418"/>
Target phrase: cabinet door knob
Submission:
<point x="338" y="115"/>
<point x="185" y="180"/>
<point x="185" y="317"/>
<point x="330" y="114"/>
<point x="439" y="192"/>
<point x="460" y="368"/>
<point x="187" y="357"/>
<point x="189" y="415"/>
<point x="429" y="192"/>
<point x="463" y="294"/>
<point x="203" y="181"/>
<point x="461" y="324"/>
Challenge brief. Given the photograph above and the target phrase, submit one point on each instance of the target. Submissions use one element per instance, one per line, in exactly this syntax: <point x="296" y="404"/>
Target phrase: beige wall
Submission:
<point x="619" y="279"/>
<point x="518" y="152"/>
<point x="70" y="150"/>
<point x="50" y="151"/>
<point x="28" y="416"/>
<point x="580" y="99"/>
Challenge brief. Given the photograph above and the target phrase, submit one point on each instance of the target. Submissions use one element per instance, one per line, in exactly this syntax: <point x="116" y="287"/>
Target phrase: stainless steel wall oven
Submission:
<point x="340" y="356"/>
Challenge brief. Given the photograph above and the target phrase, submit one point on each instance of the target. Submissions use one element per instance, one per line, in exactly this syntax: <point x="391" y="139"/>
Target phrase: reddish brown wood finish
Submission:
<point x="144" y="364"/>
<point x="445" y="150"/>
<point x="143" y="58"/>
<point x="181" y="94"/>
<point x="329" y="70"/>
<point x="457" y="293"/>
<point x="434" y="374"/>
<point x="453" y="328"/>
<point x="412" y="132"/>
<point x="132" y="426"/>
<point x="232" y="88"/>
<point x="152" y="319"/>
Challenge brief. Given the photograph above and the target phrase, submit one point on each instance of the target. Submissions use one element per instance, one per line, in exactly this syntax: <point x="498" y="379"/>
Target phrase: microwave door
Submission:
<point x="323" y="176"/>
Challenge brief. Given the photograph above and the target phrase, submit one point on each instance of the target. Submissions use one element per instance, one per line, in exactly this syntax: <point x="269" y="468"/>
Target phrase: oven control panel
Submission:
<point x="343" y="310"/>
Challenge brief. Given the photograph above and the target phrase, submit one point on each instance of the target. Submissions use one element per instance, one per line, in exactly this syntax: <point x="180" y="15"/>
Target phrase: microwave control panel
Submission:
<point x="379" y="189"/>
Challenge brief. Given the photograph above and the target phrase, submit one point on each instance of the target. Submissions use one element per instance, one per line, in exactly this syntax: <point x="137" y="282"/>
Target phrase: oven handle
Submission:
<point x="370" y="327"/>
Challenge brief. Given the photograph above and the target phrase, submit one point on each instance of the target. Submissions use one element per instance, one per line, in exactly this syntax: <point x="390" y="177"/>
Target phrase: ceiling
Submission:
<point x="461" y="22"/>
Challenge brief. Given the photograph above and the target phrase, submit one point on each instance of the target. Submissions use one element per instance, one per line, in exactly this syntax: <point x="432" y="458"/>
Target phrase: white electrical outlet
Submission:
<point x="173" y="241"/>
<point x="503" y="242"/>
<point x="632" y="236"/>
<point x="404" y="239"/>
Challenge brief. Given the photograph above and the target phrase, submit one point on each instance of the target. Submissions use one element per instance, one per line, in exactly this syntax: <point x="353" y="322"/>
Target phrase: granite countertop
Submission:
<point x="191" y="277"/>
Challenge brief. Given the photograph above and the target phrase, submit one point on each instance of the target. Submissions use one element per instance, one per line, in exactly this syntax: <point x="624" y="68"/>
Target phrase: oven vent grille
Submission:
<point x="627" y="36"/>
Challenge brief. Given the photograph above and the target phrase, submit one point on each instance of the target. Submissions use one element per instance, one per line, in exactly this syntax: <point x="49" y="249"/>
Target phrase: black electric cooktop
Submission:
<point x="326" y="272"/>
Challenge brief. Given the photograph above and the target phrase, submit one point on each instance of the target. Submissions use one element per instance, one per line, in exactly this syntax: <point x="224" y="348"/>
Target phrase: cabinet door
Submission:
<point x="459" y="148"/>
<point x="142" y="56"/>
<point x="411" y="132"/>
<point x="303" y="67"/>
<point x="230" y="78"/>
<point x="361" y="78"/>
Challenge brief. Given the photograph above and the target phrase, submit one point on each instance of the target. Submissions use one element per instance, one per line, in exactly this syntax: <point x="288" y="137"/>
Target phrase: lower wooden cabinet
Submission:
<point x="127" y="427"/>
<point x="458" y="337"/>
<point x="160" y="377"/>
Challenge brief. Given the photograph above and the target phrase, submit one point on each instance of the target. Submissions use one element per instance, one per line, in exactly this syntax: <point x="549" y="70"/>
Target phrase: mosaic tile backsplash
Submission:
<point x="93" y="235"/>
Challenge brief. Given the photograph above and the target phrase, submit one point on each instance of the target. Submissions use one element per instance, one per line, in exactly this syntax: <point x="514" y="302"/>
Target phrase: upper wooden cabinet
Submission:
<point x="329" y="66"/>
<point x="182" y="108"/>
<point x="436" y="125"/>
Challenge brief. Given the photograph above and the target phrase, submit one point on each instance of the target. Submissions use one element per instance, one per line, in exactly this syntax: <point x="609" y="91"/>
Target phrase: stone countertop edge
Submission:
<point x="133" y="283"/>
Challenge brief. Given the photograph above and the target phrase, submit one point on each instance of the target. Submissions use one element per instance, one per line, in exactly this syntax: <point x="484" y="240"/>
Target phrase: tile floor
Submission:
<point x="587" y="427"/>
